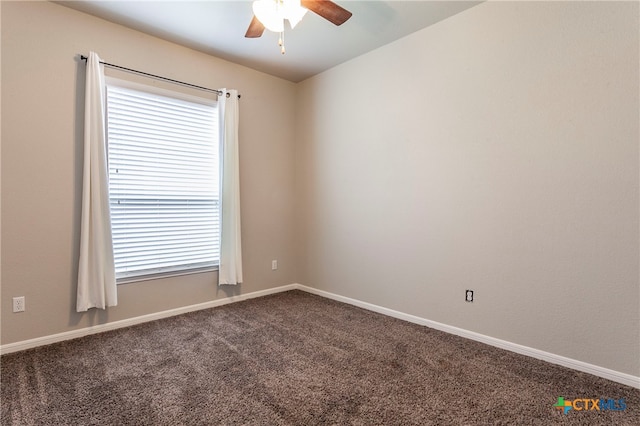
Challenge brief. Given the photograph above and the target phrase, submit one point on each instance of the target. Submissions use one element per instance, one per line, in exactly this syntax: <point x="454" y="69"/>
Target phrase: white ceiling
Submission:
<point x="315" y="45"/>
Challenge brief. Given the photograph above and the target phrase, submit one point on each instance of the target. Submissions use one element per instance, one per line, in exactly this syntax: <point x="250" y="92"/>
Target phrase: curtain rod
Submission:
<point x="159" y="77"/>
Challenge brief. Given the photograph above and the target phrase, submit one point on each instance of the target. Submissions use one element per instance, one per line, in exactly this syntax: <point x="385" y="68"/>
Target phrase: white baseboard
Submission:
<point x="615" y="376"/>
<point x="74" y="334"/>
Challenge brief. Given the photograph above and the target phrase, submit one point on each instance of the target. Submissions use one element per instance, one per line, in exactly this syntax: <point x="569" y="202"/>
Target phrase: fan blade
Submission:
<point x="255" y="29"/>
<point x="328" y="10"/>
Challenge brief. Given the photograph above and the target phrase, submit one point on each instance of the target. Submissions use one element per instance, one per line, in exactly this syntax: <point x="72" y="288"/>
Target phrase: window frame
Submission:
<point x="185" y="97"/>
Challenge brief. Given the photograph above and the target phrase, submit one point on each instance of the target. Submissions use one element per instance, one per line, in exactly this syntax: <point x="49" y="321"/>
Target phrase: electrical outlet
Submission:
<point x="274" y="265"/>
<point x="468" y="297"/>
<point x="18" y="304"/>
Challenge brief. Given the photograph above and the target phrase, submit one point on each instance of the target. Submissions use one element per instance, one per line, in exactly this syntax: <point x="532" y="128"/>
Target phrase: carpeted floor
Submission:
<point x="293" y="359"/>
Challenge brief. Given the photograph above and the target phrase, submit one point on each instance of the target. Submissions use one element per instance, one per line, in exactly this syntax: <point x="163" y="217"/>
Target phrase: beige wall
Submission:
<point x="495" y="151"/>
<point x="42" y="92"/>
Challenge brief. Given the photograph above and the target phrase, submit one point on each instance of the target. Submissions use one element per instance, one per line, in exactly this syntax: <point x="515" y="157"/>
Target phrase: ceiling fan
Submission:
<point x="270" y="14"/>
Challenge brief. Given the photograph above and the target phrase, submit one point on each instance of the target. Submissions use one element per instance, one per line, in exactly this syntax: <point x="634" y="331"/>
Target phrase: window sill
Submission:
<point x="160" y="275"/>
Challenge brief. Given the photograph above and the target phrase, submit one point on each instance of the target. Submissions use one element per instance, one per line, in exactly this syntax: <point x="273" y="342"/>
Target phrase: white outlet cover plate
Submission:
<point x="18" y="304"/>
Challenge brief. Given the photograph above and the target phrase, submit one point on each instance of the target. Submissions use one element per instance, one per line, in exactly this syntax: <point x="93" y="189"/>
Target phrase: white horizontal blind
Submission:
<point x="163" y="182"/>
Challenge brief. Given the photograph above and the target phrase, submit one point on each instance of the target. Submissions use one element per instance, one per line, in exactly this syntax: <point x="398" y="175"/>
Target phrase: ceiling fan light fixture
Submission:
<point x="272" y="13"/>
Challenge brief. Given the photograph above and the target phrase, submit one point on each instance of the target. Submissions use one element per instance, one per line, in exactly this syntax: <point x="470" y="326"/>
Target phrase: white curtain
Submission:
<point x="230" y="271"/>
<point x="96" y="271"/>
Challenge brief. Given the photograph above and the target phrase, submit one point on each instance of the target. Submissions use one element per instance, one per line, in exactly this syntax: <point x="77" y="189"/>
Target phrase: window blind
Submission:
<point x="163" y="182"/>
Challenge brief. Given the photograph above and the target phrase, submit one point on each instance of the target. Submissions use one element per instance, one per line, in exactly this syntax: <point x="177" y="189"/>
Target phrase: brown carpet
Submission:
<point x="293" y="359"/>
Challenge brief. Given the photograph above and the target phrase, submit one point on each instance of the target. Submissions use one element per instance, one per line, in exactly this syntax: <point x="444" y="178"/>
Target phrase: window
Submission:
<point x="163" y="181"/>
